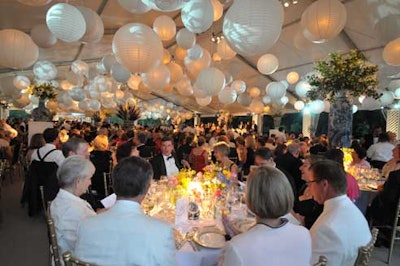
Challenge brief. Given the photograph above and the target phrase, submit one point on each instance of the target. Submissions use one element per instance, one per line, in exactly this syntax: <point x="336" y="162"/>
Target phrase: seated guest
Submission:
<point x="37" y="141"/>
<point x="269" y="197"/>
<point x="124" y="235"/>
<point x="394" y="163"/>
<point x="380" y="152"/>
<point x="221" y="153"/>
<point x="101" y="158"/>
<point x="76" y="146"/>
<point x="68" y="210"/>
<point x="359" y="156"/>
<point x="125" y="150"/>
<point x="341" y="229"/>
<point x="353" y="192"/>
<point x="198" y="157"/>
<point x="166" y="163"/>
<point x="139" y="140"/>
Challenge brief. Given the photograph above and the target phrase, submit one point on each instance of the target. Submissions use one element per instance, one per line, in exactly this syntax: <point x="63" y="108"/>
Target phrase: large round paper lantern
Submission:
<point x="165" y="5"/>
<point x="66" y="22"/>
<point x="157" y="79"/>
<point x="254" y="92"/>
<point x="134" y="6"/>
<point x="120" y="73"/>
<point x="324" y="19"/>
<point x="275" y="90"/>
<point x="302" y="87"/>
<point x="252" y="27"/>
<point x="388" y="28"/>
<point x="137" y="47"/>
<point x="239" y="86"/>
<point x="195" y="67"/>
<point x="80" y="68"/>
<point x="17" y="50"/>
<point x="185" y="38"/>
<point x="218" y="9"/>
<point x="197" y="15"/>
<point x="45" y="70"/>
<point x="77" y="94"/>
<point x="94" y="105"/>
<point x="94" y="25"/>
<point x="204" y="101"/>
<point x="42" y="36"/>
<point x="299" y="105"/>
<point x="292" y="77"/>
<point x="387" y="98"/>
<point x="175" y="71"/>
<point x="165" y="27"/>
<point x="224" y="51"/>
<point x="391" y="53"/>
<point x="21" y="82"/>
<point x="244" y="99"/>
<point x="211" y="80"/>
<point x="35" y="2"/>
<point x="267" y="64"/>
<point x="227" y="96"/>
<point x="317" y="106"/>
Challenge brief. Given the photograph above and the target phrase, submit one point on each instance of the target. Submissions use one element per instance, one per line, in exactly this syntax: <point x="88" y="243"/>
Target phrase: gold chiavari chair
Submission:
<point x="70" y="260"/>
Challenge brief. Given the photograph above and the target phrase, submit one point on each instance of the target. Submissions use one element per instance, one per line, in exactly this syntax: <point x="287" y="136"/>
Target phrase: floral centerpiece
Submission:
<point x="42" y="91"/>
<point x="129" y="113"/>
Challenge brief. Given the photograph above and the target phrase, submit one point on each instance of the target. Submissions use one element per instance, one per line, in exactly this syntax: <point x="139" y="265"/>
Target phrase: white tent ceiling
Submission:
<point x="293" y="51"/>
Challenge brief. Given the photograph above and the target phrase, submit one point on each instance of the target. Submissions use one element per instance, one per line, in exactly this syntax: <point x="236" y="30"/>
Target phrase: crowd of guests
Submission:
<point x="295" y="175"/>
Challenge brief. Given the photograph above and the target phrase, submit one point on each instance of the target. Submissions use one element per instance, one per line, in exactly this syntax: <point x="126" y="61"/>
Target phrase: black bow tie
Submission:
<point x="169" y="157"/>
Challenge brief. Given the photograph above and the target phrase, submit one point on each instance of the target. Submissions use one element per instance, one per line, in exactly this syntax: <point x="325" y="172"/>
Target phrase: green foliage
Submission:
<point x="350" y="75"/>
<point x="43" y="91"/>
<point x="128" y="112"/>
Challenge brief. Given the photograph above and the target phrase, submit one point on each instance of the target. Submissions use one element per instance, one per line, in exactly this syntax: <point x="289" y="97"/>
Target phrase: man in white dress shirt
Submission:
<point x="124" y="235"/>
<point x="341" y="228"/>
<point x="50" y="135"/>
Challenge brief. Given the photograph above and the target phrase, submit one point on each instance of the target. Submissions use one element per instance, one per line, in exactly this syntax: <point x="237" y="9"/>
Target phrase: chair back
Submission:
<point x="69" y="260"/>
<point x="107" y="183"/>
<point x="54" y="249"/>
<point x="365" y="252"/>
<point x="322" y="261"/>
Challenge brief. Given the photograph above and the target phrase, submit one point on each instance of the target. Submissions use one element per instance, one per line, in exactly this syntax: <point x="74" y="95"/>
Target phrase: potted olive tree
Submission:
<point x="339" y="80"/>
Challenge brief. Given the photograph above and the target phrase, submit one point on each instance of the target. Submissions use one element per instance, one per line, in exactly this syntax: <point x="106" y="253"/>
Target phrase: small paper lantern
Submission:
<point x="299" y="105"/>
<point x="391" y="53"/>
<point x="195" y="67"/>
<point x="195" y="53"/>
<point x="197" y="15"/>
<point x="302" y="88"/>
<point x="252" y="27"/>
<point x="224" y="51"/>
<point x="317" y="106"/>
<point x="257" y="106"/>
<point x="134" y="6"/>
<point x="184" y="86"/>
<point x="284" y="100"/>
<point x="165" y="27"/>
<point x="285" y="83"/>
<point x="244" y="99"/>
<point x="211" y="80"/>
<point x="227" y="96"/>
<point x="94" y="25"/>
<point x="180" y="53"/>
<point x="292" y="77"/>
<point x="388" y="28"/>
<point x="254" y="92"/>
<point x="267" y="64"/>
<point x="157" y="79"/>
<point x="275" y="90"/>
<point x="17" y="50"/>
<point x="166" y="58"/>
<point x="35" y="2"/>
<point x="137" y="47"/>
<point x="94" y="105"/>
<point x="324" y="19"/>
<point x="21" y="82"/>
<point x="185" y="38"/>
<point x="175" y="71"/>
<point x="120" y="73"/>
<point x="239" y="86"/>
<point x="66" y="22"/>
<point x="228" y="76"/>
<point x="218" y="9"/>
<point x="45" y="70"/>
<point x="42" y="36"/>
<point x="77" y="94"/>
<point x="266" y="99"/>
<point x="80" y="67"/>
<point x="203" y="101"/>
<point x="387" y="98"/>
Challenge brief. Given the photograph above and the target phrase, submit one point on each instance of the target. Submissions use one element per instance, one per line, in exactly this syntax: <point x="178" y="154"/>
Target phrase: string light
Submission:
<point x="286" y="3"/>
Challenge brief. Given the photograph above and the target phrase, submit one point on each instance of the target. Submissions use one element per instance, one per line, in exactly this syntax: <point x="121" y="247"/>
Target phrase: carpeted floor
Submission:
<point x="24" y="239"/>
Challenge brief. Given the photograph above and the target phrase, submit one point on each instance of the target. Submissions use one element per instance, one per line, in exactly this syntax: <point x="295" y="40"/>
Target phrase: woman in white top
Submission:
<point x="68" y="210"/>
<point x="394" y="163"/>
<point x="272" y="241"/>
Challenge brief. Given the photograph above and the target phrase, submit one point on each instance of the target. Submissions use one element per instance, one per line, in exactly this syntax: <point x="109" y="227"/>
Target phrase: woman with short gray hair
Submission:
<point x="68" y="210"/>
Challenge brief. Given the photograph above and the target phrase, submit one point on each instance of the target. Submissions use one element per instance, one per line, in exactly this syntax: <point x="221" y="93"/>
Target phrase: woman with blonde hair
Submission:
<point x="102" y="159"/>
<point x="221" y="153"/>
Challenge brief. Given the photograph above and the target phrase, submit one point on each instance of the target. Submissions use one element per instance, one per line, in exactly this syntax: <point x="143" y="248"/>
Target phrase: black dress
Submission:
<point x="101" y="161"/>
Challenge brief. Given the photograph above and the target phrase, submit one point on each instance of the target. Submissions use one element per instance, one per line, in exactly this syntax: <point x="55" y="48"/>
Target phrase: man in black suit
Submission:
<point x="166" y="163"/>
<point x="140" y="139"/>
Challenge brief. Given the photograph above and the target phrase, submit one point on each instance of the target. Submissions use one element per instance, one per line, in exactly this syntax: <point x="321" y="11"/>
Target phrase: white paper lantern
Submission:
<point x="165" y="5"/>
<point x="197" y="92"/>
<point x="252" y="27"/>
<point x="185" y="38"/>
<point x="266" y="99"/>
<point x="180" y="53"/>
<point x="35" y="2"/>
<point x="94" y="25"/>
<point x="211" y="80"/>
<point x="244" y="99"/>
<point x="388" y="28"/>
<point x="197" y="15"/>
<point x="137" y="47"/>
<point x="93" y="93"/>
<point x="317" y="106"/>
<point x="397" y="93"/>
<point x="218" y="9"/>
<point x="292" y="77"/>
<point x="184" y="86"/>
<point x="324" y="19"/>
<point x="175" y="71"/>
<point x="66" y="22"/>
<point x="165" y="27"/>
<point x="254" y="92"/>
<point x="21" y="82"/>
<point x="94" y="105"/>
<point x="284" y="100"/>
<point x="195" y="53"/>
<point x="391" y="53"/>
<point x="103" y="83"/>
<point x="157" y="79"/>
<point x="42" y="36"/>
<point x="195" y="67"/>
<point x="387" y="98"/>
<point x="77" y="94"/>
<point x="257" y="106"/>
<point x="134" y="6"/>
<point x="227" y="96"/>
<point x="302" y="88"/>
<point x="224" y="50"/>
<point x="80" y="68"/>
<point x="239" y="86"/>
<point x="134" y="82"/>
<point x="299" y="105"/>
<point x="275" y="90"/>
<point x="120" y="73"/>
<point x="285" y="83"/>
<point x="17" y="50"/>
<point x="203" y="101"/>
<point x="355" y="108"/>
<point x="45" y="70"/>
<point x="267" y="64"/>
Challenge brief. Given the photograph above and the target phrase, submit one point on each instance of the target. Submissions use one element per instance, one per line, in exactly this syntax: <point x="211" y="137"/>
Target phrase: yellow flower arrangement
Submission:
<point x="43" y="91"/>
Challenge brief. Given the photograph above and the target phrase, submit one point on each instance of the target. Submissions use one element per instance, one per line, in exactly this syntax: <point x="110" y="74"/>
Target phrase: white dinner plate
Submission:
<point x="210" y="237"/>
